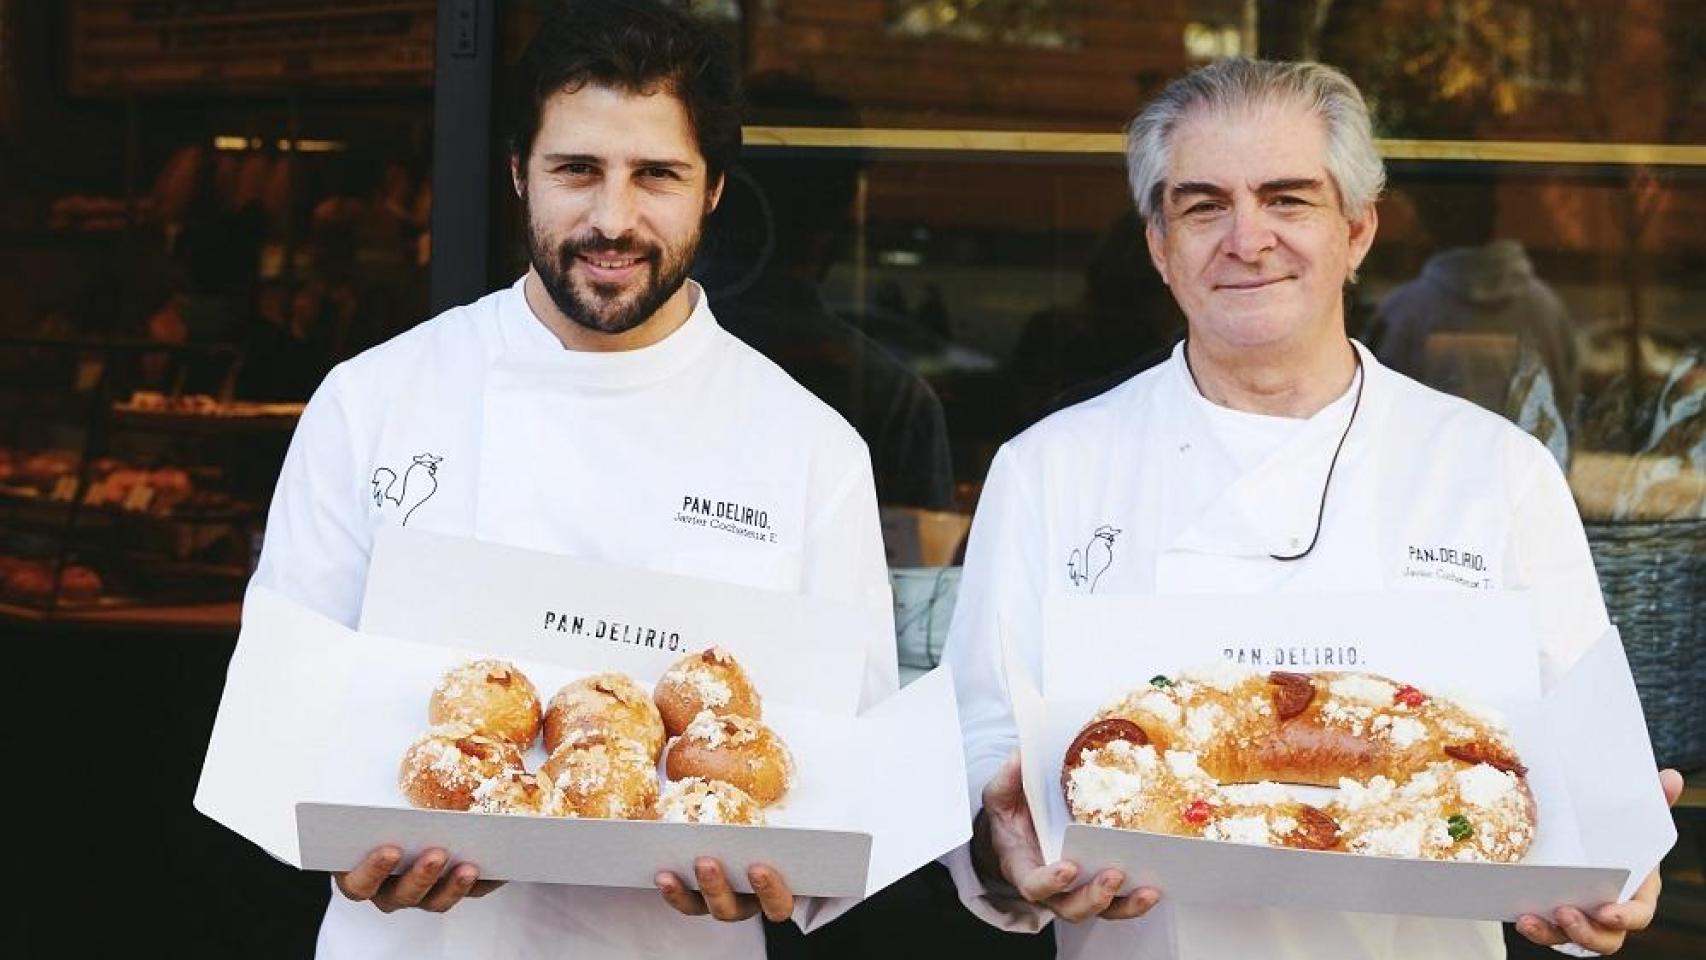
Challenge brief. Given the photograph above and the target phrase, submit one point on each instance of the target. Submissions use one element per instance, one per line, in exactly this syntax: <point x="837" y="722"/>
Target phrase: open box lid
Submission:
<point x="511" y="602"/>
<point x="1479" y="647"/>
<point x="1603" y="822"/>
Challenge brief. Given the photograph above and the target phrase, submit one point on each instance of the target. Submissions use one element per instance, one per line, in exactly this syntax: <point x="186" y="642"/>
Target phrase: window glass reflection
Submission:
<point x="944" y="299"/>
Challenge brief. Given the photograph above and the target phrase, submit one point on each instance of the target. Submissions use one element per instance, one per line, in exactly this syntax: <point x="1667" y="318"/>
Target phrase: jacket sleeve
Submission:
<point x="1000" y="597"/>
<point x="1549" y="556"/>
<point x="843" y="560"/>
<point x="317" y="542"/>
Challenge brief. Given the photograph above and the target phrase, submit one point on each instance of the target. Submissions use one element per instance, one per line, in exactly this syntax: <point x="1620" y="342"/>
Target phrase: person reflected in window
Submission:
<point x="1124" y="323"/>
<point x="1479" y="322"/>
<point x="767" y="249"/>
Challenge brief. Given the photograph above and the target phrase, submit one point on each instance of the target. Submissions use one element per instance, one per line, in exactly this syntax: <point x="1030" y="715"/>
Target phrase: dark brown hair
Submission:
<point x="635" y="46"/>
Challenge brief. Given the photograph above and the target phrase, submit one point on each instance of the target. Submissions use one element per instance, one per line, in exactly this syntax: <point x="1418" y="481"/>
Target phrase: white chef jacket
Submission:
<point x="695" y="455"/>
<point x="1430" y="493"/>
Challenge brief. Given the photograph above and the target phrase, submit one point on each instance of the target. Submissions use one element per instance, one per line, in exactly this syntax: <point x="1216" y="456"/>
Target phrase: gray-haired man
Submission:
<point x="1269" y="454"/>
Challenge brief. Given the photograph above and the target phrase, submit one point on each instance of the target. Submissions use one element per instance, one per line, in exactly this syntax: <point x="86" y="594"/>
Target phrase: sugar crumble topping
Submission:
<point x="1401" y="839"/>
<point x="1363" y="688"/>
<point x="1202" y="722"/>
<point x="1161" y="706"/>
<point x="1184" y="764"/>
<point x="1244" y="829"/>
<point x="1224" y="675"/>
<point x="698" y="800"/>
<point x="1100" y="789"/>
<point x="709" y="689"/>
<point x="716" y="730"/>
<point x="1255" y="793"/>
<point x="1484" y="786"/>
<point x="1406" y="732"/>
<point x="1355" y="796"/>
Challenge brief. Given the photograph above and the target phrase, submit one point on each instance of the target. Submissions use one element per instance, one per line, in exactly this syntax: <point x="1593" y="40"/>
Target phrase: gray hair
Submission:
<point x="1237" y="84"/>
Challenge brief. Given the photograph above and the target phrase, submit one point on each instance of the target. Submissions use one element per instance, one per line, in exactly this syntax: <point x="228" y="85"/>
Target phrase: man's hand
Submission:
<point x="1606" y="928"/>
<point x="426" y="885"/>
<point x="1005" y="850"/>
<point x="715" y="896"/>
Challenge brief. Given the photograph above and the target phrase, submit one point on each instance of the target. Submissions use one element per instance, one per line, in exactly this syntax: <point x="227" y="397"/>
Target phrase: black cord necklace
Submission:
<point x="1321" y="511"/>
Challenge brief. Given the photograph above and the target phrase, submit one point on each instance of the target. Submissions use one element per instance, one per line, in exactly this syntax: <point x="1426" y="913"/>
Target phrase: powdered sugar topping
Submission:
<point x="1224" y="676"/>
<point x="1184" y="765"/>
<point x="1356" y="796"/>
<point x="1363" y="688"/>
<point x="1160" y="705"/>
<point x="1402" y="839"/>
<point x="1202" y="721"/>
<point x="1098" y="789"/>
<point x="709" y="689"/>
<point x="1483" y="785"/>
<point x="716" y="730"/>
<point x="1250" y="829"/>
<point x="1255" y="793"/>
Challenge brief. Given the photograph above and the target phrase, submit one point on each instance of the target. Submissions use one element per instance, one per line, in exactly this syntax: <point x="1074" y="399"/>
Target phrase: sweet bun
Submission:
<point x="607" y="703"/>
<point x="79" y="583"/>
<point x="518" y="792"/>
<point x="697" y="800"/>
<point x="28" y="581"/>
<point x="708" y="680"/>
<point x="491" y="696"/>
<point x="442" y="769"/>
<point x="603" y="778"/>
<point x="172" y="486"/>
<point x="735" y="750"/>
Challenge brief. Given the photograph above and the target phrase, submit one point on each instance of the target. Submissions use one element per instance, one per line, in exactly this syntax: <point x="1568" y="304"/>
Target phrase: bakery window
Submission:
<point x="205" y="207"/>
<point x="931" y="228"/>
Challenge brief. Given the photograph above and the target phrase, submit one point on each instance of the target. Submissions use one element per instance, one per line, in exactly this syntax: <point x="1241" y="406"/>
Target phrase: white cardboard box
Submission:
<point x="1602" y="825"/>
<point x="315" y="717"/>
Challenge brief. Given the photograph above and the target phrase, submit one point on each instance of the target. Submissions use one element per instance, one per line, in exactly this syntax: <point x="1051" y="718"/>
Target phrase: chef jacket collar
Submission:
<point x="1272" y="508"/>
<point x="531" y="344"/>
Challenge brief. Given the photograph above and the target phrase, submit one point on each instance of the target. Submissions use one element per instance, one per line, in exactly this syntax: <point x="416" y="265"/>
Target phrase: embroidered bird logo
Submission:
<point x="420" y="482"/>
<point x="1085" y="567"/>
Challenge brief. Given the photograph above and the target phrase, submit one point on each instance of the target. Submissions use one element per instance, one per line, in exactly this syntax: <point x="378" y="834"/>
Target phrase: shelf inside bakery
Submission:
<point x="127" y="584"/>
<point x="197" y="618"/>
<point x="24" y="507"/>
<point x="235" y="418"/>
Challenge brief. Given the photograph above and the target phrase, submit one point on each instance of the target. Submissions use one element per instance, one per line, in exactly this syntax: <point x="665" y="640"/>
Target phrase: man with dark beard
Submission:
<point x="594" y="408"/>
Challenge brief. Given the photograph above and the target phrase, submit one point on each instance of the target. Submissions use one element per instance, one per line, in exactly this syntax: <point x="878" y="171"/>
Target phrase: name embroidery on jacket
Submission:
<point x="1466" y="568"/>
<point x="406" y="493"/>
<point x="729" y="516"/>
<point x="1085" y="567"/>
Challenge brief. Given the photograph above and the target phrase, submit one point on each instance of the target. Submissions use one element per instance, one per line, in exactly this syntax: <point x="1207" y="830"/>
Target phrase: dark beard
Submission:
<point x="601" y="315"/>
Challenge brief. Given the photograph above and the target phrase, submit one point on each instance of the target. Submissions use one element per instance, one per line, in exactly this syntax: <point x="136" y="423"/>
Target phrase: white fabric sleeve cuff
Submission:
<point x="1010" y="914"/>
